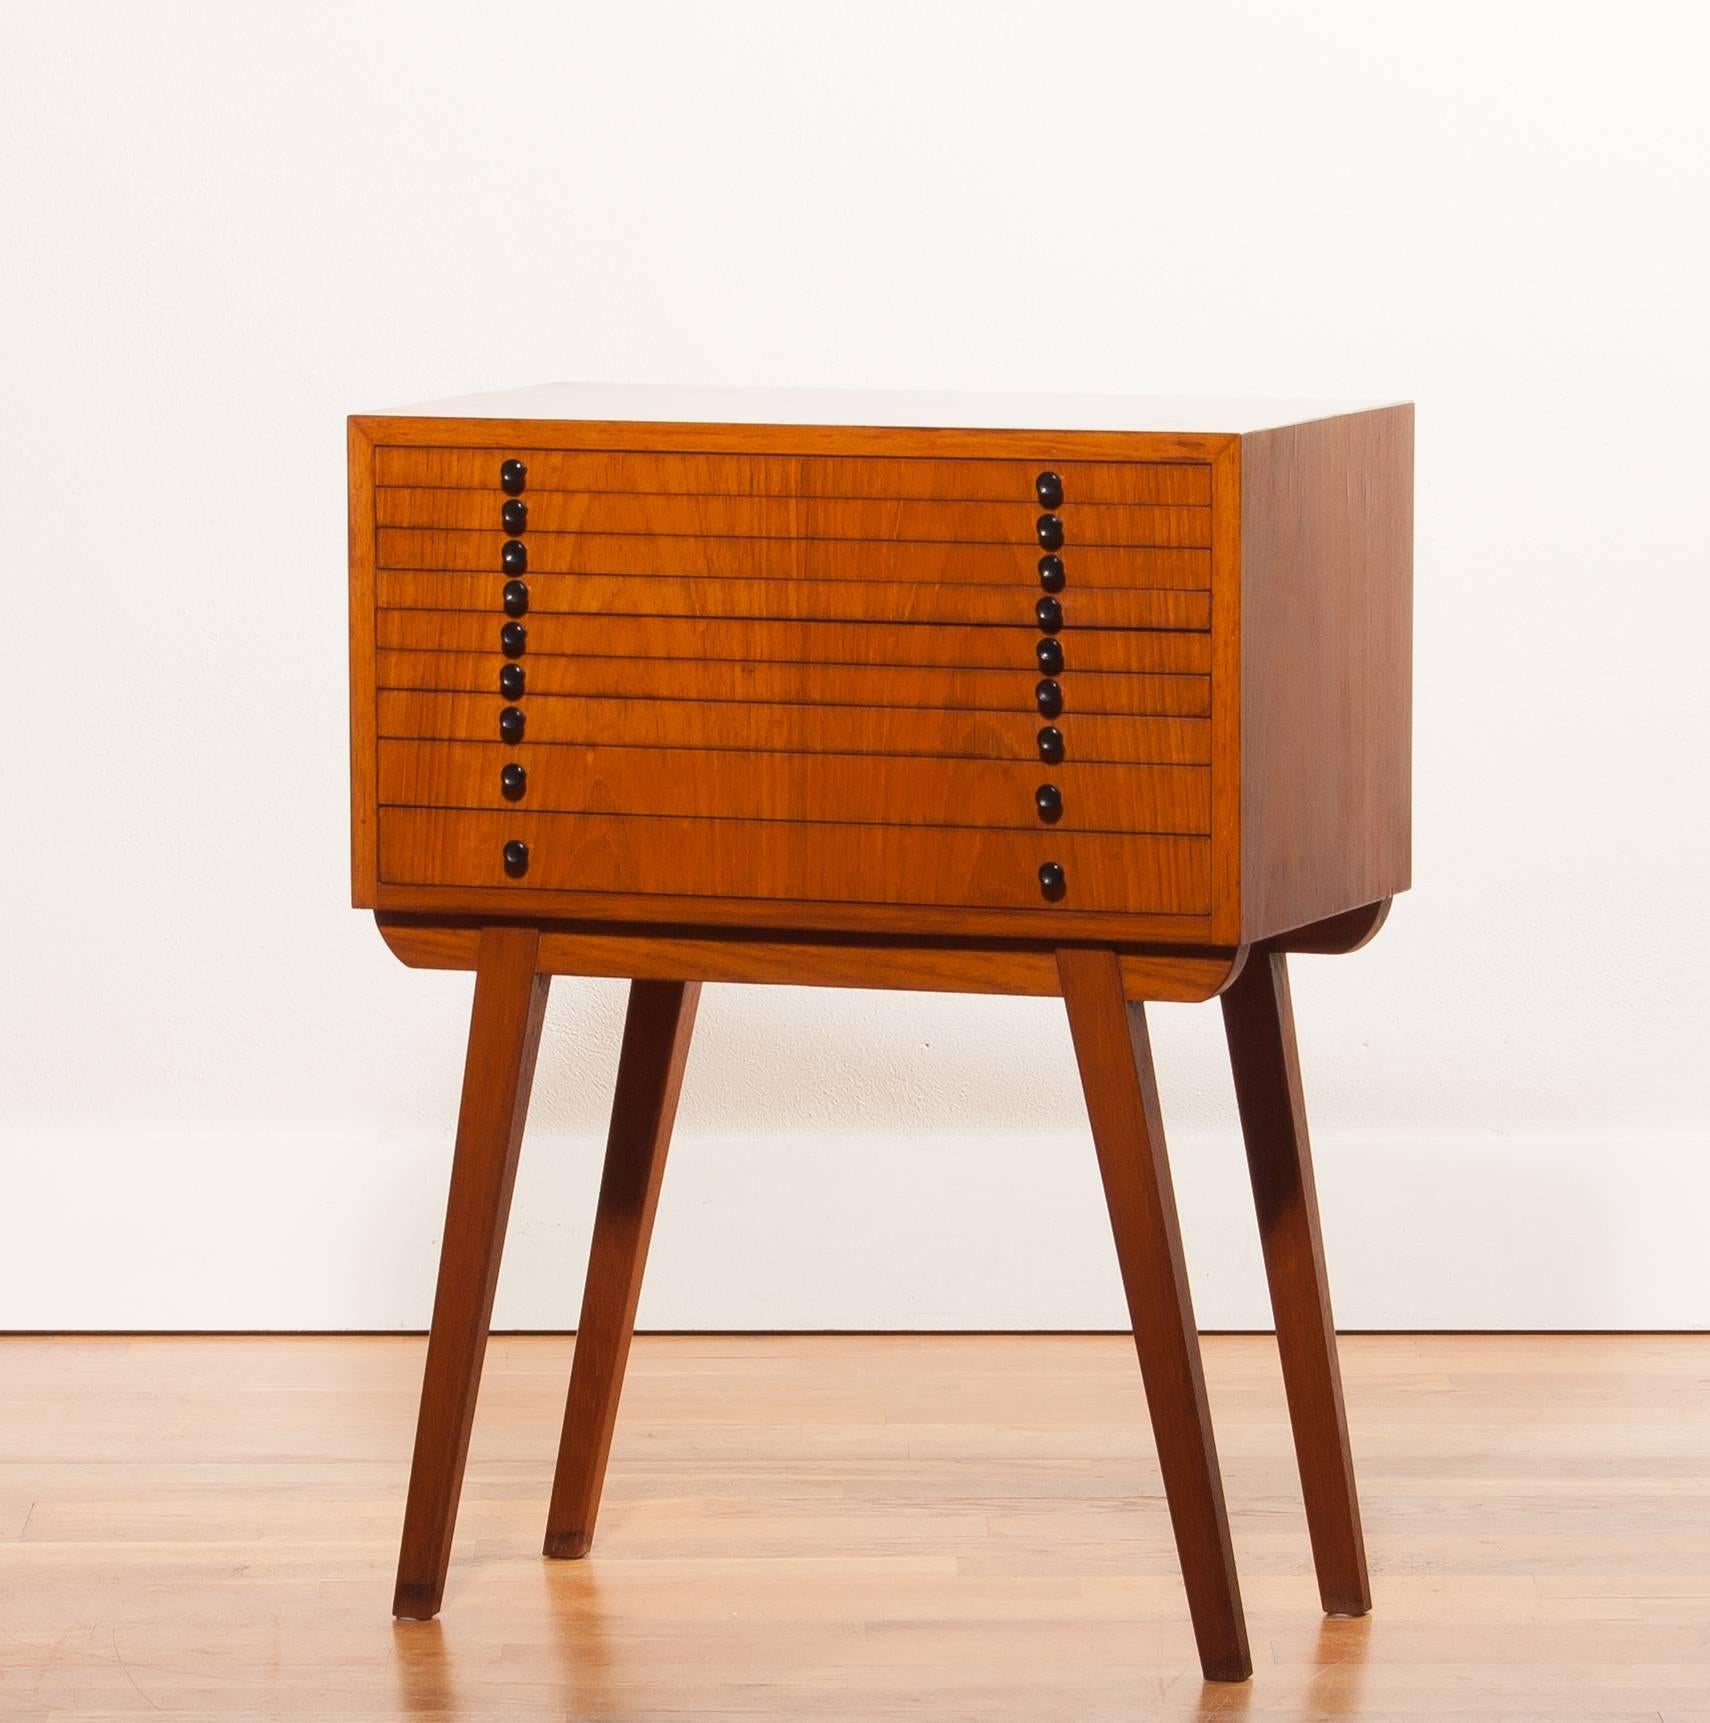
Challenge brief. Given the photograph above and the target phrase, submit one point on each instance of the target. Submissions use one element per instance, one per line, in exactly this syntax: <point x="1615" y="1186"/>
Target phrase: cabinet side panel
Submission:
<point x="364" y="746"/>
<point x="1326" y="667"/>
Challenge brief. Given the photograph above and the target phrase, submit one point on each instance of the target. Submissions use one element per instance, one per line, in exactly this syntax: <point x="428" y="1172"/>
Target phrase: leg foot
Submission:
<point x="1115" y="1058"/>
<point x="504" y="1035"/>
<point x="1259" y="1018"/>
<point x="650" y="1076"/>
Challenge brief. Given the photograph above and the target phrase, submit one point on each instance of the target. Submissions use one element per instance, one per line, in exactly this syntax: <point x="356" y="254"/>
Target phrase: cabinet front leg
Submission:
<point x="1259" y="1018"/>
<point x="504" y="1036"/>
<point x="1114" y="1053"/>
<point x="650" y="1076"/>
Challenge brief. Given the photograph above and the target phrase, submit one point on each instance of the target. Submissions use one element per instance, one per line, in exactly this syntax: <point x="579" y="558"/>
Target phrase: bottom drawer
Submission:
<point x="824" y="862"/>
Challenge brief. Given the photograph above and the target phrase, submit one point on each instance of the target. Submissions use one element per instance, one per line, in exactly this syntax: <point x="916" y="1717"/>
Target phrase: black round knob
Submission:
<point x="1049" y="614"/>
<point x="512" y="681"/>
<point x="516" y="598"/>
<point x="1048" y="696"/>
<point x="1048" y="799"/>
<point x="514" y="557"/>
<point x="516" y="858"/>
<point x="1050" y="656"/>
<point x="1048" y="487"/>
<point x="1051" y="573"/>
<point x="1052" y="881"/>
<point x="513" y="781"/>
<point x="513" y="637"/>
<point x="1050" y="531"/>
<point x="511" y="722"/>
<point x="1050" y="744"/>
<point x="513" y="475"/>
<point x="513" y="517"/>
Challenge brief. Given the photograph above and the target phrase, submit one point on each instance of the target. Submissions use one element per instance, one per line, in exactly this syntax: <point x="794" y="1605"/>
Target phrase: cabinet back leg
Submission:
<point x="1259" y="1018"/>
<point x="656" y="1034"/>
<point x="1114" y="1053"/>
<point x="504" y="1036"/>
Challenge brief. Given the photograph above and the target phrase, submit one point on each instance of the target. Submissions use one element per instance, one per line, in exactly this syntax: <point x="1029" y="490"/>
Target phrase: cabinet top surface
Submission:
<point x="881" y="409"/>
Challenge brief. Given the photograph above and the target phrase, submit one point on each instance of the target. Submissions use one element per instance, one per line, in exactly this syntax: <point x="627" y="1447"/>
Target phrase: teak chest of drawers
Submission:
<point x="1101" y="698"/>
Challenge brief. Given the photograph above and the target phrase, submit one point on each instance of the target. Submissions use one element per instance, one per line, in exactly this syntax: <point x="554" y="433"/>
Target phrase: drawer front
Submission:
<point x="712" y="475"/>
<point x="911" y="561"/>
<point x="948" y="867"/>
<point x="747" y="784"/>
<point x="552" y="514"/>
<point x="727" y="681"/>
<point x="921" y="684"/>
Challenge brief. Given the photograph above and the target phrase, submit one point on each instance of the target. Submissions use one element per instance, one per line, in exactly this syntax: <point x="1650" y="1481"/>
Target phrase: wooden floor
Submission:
<point x="963" y="1528"/>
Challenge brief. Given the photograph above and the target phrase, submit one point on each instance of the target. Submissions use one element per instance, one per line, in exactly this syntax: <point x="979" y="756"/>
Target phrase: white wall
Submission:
<point x="224" y="227"/>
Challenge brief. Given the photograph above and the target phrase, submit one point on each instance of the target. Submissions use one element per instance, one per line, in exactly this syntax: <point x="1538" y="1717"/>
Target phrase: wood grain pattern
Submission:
<point x="1114" y="1053"/>
<point x="1012" y="566"/>
<point x="849" y="1529"/>
<point x="757" y="958"/>
<point x="789" y="476"/>
<point x="729" y="680"/>
<point x="753" y="786"/>
<point x="617" y="513"/>
<point x="504" y="1037"/>
<point x="835" y="863"/>
<point x="1326" y="668"/>
<point x="1258" y="1017"/>
<point x="655" y="1050"/>
<point x="550" y="718"/>
<point x="929" y="645"/>
<point x="788" y="600"/>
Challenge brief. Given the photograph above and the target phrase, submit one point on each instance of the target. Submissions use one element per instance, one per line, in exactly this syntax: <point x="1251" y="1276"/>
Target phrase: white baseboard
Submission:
<point x="144" y="1231"/>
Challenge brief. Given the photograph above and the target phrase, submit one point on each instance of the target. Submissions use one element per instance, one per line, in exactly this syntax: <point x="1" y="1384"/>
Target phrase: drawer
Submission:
<point x="1007" y="565"/>
<point x="906" y="643"/>
<point x="785" y="600"/>
<point x="800" y="729"/>
<point x="889" y="520"/>
<point x="730" y="858"/>
<point x="724" y="679"/>
<point x="708" y="783"/>
<point x="798" y="476"/>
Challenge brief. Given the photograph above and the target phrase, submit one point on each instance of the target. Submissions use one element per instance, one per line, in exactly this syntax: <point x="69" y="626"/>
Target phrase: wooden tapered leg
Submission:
<point x="650" y="1076"/>
<point x="1259" y="1018"/>
<point x="504" y="1035"/>
<point x="1115" y="1058"/>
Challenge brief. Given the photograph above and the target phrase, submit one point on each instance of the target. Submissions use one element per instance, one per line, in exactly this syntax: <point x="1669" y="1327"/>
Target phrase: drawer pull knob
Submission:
<point x="1049" y="614"/>
<point x="513" y="781"/>
<point x="513" y="517"/>
<point x="1051" y="881"/>
<point x="511" y="722"/>
<point x="516" y="598"/>
<point x="1048" y="487"/>
<point x="1050" y="656"/>
<point x="1048" y="696"/>
<point x="516" y="858"/>
<point x="514" y="557"/>
<point x="1048" y="799"/>
<point x="512" y="681"/>
<point x="1051" y="573"/>
<point x="513" y="475"/>
<point x="1050" y="531"/>
<point x="1050" y="744"/>
<point x="513" y="638"/>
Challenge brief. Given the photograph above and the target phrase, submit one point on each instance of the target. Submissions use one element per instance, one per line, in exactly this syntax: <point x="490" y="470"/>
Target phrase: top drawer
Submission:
<point x="801" y="476"/>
